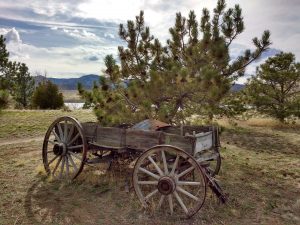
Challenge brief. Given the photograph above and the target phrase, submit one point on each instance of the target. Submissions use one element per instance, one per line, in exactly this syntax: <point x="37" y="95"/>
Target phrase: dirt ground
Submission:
<point x="260" y="172"/>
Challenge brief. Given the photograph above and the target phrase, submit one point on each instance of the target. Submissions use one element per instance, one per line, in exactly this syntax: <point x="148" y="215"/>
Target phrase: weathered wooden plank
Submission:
<point x="89" y="129"/>
<point x="185" y="143"/>
<point x="110" y="136"/>
<point x="186" y="129"/>
<point x="142" y="140"/>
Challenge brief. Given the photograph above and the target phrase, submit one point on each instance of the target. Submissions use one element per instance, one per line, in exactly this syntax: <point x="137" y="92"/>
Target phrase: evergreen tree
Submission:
<point x="275" y="90"/>
<point x="191" y="74"/>
<point x="23" y="85"/>
<point x="4" y="95"/>
<point x="47" y="96"/>
<point x="4" y="64"/>
<point x="4" y="73"/>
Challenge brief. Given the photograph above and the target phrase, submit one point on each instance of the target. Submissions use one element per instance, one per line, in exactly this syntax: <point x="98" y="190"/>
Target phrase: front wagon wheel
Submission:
<point x="169" y="180"/>
<point x="64" y="148"/>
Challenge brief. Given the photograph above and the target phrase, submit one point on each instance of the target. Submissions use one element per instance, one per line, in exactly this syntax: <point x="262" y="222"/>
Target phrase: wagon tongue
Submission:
<point x="215" y="187"/>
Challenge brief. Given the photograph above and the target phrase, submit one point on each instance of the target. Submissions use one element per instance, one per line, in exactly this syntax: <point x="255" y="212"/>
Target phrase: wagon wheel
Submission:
<point x="211" y="159"/>
<point x="166" y="185"/>
<point x="64" y="148"/>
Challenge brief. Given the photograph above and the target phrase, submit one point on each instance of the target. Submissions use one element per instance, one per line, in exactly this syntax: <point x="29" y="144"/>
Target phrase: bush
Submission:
<point x="47" y="96"/>
<point x="3" y="98"/>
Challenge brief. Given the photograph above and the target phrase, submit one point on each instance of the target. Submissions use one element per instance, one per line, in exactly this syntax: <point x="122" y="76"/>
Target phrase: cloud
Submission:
<point x="81" y="34"/>
<point x="109" y="35"/>
<point x="75" y="35"/>
<point x="14" y="44"/>
<point x="12" y="36"/>
<point x="93" y="58"/>
<point x="63" y="61"/>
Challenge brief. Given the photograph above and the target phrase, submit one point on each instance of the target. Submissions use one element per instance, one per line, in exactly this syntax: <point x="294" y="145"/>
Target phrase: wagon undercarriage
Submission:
<point x="173" y="165"/>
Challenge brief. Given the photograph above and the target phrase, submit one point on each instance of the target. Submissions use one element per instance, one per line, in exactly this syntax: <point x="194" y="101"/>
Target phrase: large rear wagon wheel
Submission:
<point x="169" y="180"/>
<point x="64" y="149"/>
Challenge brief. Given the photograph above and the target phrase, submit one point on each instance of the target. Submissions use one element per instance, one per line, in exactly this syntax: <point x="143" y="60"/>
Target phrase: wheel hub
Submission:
<point x="166" y="185"/>
<point x="60" y="149"/>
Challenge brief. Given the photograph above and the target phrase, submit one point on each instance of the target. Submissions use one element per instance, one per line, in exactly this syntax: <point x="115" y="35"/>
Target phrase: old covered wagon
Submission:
<point x="172" y="165"/>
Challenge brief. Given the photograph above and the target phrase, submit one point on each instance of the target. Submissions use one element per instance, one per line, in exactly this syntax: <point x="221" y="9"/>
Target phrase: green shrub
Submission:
<point x="47" y="96"/>
<point x="4" y="95"/>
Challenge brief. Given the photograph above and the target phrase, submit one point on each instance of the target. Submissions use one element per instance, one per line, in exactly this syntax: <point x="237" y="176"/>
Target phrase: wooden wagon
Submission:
<point x="173" y="165"/>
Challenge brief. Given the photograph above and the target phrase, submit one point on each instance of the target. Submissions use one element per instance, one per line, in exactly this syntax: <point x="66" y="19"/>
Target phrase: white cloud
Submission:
<point x="81" y="34"/>
<point x="67" y="18"/>
<point x="109" y="35"/>
<point x="159" y="15"/>
<point x="59" y="61"/>
<point x="14" y="44"/>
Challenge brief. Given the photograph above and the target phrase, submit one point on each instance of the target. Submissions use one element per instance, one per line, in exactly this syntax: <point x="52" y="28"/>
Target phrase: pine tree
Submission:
<point x="47" y="96"/>
<point x="4" y="73"/>
<point x="191" y="74"/>
<point x="275" y="90"/>
<point x="23" y="85"/>
<point x="4" y="64"/>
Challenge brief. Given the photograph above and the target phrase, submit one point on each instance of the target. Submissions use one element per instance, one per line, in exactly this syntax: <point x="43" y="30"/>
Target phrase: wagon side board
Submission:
<point x="119" y="138"/>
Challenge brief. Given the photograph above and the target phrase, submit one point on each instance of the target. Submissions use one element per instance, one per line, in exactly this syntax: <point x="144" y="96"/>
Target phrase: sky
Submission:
<point x="70" y="38"/>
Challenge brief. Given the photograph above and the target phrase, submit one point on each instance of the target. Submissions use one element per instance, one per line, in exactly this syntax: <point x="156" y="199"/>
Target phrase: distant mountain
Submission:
<point x="88" y="80"/>
<point x="237" y="87"/>
<point x="71" y="83"/>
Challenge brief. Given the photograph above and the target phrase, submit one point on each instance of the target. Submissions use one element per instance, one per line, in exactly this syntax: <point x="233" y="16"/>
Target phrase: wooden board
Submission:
<point x="120" y="138"/>
<point x="110" y="136"/>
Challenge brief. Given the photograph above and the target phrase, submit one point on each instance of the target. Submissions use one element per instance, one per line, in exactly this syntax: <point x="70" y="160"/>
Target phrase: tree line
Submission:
<point x="17" y="82"/>
<point x="192" y="73"/>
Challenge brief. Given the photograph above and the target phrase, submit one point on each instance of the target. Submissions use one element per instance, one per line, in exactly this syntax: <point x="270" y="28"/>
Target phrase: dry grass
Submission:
<point x="260" y="172"/>
<point x="33" y="123"/>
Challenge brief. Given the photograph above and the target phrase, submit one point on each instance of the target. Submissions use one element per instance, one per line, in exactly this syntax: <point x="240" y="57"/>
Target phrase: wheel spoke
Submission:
<point x="187" y="193"/>
<point x="72" y="162"/>
<point x="65" y="131"/>
<point x="170" y="200"/>
<point x="151" y="194"/>
<point x="74" y="139"/>
<point x="67" y="166"/>
<point x="180" y="202"/>
<point x="73" y="154"/>
<point x="186" y="171"/>
<point x="70" y="133"/>
<point x="164" y="161"/>
<point x="162" y="197"/>
<point x="76" y="146"/>
<point x="149" y="173"/>
<point x="61" y="135"/>
<point x="56" y="136"/>
<point x="52" y="142"/>
<point x="191" y="183"/>
<point x="175" y="165"/>
<point x="151" y="182"/>
<point x="56" y="166"/>
<point x="62" y="167"/>
<point x="156" y="166"/>
<point x="52" y="160"/>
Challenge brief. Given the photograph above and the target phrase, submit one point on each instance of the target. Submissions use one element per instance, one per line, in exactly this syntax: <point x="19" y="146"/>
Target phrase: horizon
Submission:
<point x="69" y="40"/>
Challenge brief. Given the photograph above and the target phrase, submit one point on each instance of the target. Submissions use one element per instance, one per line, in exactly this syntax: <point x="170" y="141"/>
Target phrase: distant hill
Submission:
<point x="71" y="83"/>
<point x="88" y="81"/>
<point x="237" y="87"/>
